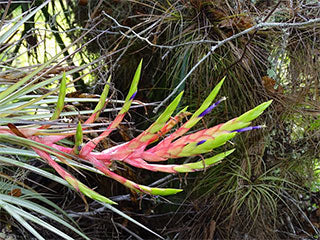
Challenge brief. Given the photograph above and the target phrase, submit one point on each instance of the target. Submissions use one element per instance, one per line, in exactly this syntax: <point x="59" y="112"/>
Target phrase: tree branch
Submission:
<point x="213" y="48"/>
<point x="220" y="43"/>
<point x="138" y="35"/>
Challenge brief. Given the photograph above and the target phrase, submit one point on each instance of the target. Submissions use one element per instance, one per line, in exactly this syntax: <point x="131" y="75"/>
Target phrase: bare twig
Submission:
<point x="213" y="48"/>
<point x="249" y="40"/>
<point x="138" y="35"/>
<point x="220" y="43"/>
<point x="5" y="14"/>
<point x="129" y="231"/>
<point x="287" y="195"/>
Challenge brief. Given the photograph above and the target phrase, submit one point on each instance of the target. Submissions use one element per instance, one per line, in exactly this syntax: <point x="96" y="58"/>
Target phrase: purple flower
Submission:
<point x="209" y="109"/>
<point x="202" y="141"/>
<point x="248" y="128"/>
<point x="133" y="95"/>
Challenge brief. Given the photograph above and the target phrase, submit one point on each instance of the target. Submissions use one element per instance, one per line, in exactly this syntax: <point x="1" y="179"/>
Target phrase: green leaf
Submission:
<point x="135" y="81"/>
<point x="163" y="118"/>
<point x="40" y="222"/>
<point x="23" y="91"/>
<point x="132" y="90"/>
<point x="234" y="125"/>
<point x="193" y="149"/>
<point x="103" y="98"/>
<point x="200" y="165"/>
<point x="9" y="209"/>
<point x="14" y="28"/>
<point x="209" y="99"/>
<point x="254" y="113"/>
<point x="79" y="139"/>
<point x="39" y="209"/>
<point x="62" y="95"/>
<point x="94" y="195"/>
<point x="160" y="191"/>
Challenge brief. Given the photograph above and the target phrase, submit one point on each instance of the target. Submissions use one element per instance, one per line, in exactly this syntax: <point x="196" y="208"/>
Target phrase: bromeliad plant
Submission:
<point x="135" y="152"/>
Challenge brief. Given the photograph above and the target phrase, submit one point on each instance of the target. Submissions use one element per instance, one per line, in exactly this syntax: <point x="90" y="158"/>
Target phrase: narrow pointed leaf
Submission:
<point x="41" y="210"/>
<point x="9" y="208"/>
<point x="101" y="104"/>
<point x="245" y="119"/>
<point x="40" y="222"/>
<point x="209" y="99"/>
<point x="194" y="149"/>
<point x="128" y="183"/>
<point x="161" y="121"/>
<point x="79" y="139"/>
<point x="200" y="165"/>
<point x="61" y="97"/>
<point x="94" y="195"/>
<point x="198" y="115"/>
<point x="160" y="191"/>
<point x="19" y="23"/>
<point x="170" y="124"/>
<point x="205" y="105"/>
<point x="23" y="91"/>
<point x="254" y="113"/>
<point x="133" y="90"/>
<point x="163" y="118"/>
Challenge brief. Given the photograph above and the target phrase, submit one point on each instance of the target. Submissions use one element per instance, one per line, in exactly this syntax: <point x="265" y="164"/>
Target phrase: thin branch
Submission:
<point x="287" y="195"/>
<point x="5" y="14"/>
<point x="138" y="35"/>
<point x="220" y="43"/>
<point x="129" y="231"/>
<point x="213" y="48"/>
<point x="249" y="40"/>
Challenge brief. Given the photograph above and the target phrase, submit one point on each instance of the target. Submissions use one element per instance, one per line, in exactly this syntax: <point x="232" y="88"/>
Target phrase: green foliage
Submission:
<point x="171" y="37"/>
<point x="314" y="124"/>
<point x="61" y="97"/>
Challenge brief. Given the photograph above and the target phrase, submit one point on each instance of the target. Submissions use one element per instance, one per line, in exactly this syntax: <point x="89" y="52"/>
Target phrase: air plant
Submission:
<point x="136" y="151"/>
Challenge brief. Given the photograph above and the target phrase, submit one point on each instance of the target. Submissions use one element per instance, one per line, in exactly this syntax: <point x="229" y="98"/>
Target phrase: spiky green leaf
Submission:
<point x="61" y="97"/>
<point x="79" y="139"/>
<point x="200" y="165"/>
